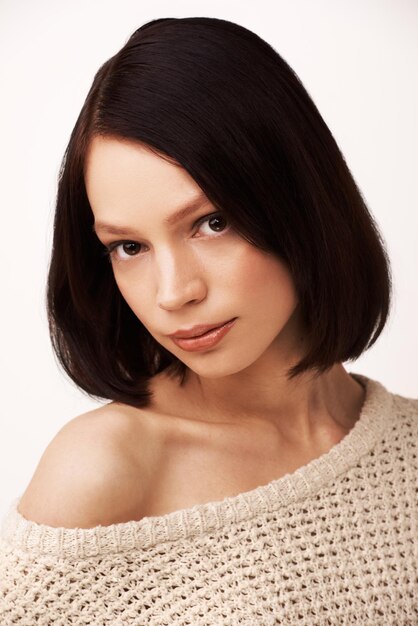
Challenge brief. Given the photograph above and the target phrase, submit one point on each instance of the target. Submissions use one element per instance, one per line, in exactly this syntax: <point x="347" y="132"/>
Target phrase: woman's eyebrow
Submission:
<point x="190" y="207"/>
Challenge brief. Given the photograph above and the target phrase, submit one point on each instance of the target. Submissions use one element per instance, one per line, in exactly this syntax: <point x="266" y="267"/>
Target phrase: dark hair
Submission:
<point x="215" y="98"/>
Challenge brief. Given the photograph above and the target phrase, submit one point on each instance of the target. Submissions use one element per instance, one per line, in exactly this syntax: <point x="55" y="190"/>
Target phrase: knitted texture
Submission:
<point x="333" y="543"/>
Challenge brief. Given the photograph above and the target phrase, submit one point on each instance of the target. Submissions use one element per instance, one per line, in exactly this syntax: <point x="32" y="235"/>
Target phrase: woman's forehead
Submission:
<point x="126" y="181"/>
<point x="122" y="173"/>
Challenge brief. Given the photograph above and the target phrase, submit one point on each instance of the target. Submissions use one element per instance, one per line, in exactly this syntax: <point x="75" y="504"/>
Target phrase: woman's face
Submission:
<point x="176" y="275"/>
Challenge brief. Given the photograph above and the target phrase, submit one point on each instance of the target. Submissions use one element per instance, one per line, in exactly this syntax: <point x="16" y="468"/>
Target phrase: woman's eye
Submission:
<point x="214" y="220"/>
<point x="123" y="250"/>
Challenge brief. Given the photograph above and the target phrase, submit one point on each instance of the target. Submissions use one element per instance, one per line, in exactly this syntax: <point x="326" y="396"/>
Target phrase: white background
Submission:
<point x="358" y="60"/>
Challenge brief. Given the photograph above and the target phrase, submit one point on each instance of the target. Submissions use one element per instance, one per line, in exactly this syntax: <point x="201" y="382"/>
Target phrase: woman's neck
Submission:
<point x="300" y="412"/>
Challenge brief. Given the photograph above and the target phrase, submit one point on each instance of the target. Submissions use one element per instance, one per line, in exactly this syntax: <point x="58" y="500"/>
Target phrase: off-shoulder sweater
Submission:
<point x="332" y="543"/>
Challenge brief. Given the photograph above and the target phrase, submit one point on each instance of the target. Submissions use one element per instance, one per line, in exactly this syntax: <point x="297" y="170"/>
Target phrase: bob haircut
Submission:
<point x="217" y="99"/>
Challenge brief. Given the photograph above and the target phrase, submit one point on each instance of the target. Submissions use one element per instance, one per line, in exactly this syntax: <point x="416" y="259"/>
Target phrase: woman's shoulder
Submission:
<point x="95" y="471"/>
<point x="406" y="408"/>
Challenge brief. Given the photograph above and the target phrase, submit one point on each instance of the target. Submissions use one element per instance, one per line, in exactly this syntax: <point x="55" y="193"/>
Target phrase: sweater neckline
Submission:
<point x="375" y="415"/>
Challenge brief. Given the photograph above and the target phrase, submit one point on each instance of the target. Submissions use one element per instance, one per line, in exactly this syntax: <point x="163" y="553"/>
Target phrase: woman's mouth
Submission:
<point x="207" y="340"/>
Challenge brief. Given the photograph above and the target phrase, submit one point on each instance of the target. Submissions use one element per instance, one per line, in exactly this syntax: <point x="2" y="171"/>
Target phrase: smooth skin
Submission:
<point x="237" y="423"/>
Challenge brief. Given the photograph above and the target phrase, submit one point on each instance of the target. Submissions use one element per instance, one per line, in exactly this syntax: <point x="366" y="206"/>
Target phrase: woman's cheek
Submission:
<point x="133" y="292"/>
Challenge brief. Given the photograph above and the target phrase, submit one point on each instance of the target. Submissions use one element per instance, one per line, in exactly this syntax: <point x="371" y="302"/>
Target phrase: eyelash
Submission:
<point x="110" y="249"/>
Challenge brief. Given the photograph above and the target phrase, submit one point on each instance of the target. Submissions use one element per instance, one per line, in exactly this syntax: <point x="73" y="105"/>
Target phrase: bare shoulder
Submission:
<point x="95" y="471"/>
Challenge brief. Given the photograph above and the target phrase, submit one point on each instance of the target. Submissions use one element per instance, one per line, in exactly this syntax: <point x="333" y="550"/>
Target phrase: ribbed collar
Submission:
<point x="375" y="415"/>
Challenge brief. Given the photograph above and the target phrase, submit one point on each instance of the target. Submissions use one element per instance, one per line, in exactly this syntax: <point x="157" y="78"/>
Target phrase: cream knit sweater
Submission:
<point x="333" y="543"/>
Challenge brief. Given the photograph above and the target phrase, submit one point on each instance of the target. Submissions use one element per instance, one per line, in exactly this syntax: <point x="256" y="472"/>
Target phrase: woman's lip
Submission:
<point x="197" y="331"/>
<point x="209" y="339"/>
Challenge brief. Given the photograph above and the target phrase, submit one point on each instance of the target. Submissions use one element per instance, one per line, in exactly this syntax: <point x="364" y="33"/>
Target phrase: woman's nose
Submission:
<point x="180" y="281"/>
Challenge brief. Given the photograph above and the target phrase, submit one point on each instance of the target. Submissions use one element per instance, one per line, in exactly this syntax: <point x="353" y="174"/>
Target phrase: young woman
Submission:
<point x="213" y="266"/>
